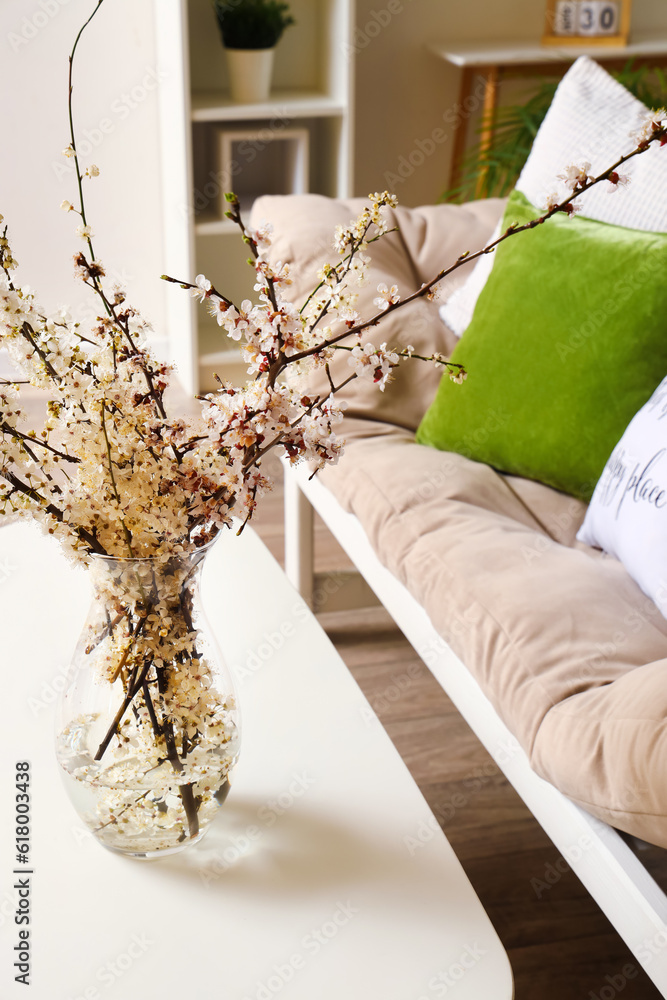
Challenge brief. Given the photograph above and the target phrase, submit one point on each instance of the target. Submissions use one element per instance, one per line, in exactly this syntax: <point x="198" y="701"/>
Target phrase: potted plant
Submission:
<point x="250" y="31"/>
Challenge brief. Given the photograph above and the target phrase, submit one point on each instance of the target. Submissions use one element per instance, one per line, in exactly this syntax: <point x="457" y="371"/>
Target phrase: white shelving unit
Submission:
<point x="300" y="139"/>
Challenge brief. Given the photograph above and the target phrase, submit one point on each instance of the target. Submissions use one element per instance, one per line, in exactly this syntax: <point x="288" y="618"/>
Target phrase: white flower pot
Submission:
<point x="250" y="74"/>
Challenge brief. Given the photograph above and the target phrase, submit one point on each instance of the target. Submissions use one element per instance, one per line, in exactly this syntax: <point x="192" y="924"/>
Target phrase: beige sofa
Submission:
<point x="569" y="651"/>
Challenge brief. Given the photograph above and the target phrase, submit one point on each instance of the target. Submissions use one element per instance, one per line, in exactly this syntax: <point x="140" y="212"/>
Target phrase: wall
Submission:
<point x="402" y="90"/>
<point x="116" y="111"/>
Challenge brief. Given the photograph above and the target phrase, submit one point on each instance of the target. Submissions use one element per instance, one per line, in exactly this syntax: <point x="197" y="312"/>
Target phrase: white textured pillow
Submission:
<point x="590" y="119"/>
<point x="627" y="516"/>
<point x="457" y="311"/>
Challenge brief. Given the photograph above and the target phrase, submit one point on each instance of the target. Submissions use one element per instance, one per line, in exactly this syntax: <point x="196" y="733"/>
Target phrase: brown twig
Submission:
<point x="126" y="530"/>
<point x="50" y="508"/>
<point x="96" y="282"/>
<point x="15" y="432"/>
<point x="28" y="332"/>
<point x="114" y="819"/>
<point x="107" y="630"/>
<point x="148" y="702"/>
<point x="186" y="793"/>
<point x="134" y="685"/>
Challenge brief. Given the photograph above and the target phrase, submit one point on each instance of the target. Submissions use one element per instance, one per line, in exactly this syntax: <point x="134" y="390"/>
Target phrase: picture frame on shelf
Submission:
<point x="587" y="22"/>
<point x="263" y="161"/>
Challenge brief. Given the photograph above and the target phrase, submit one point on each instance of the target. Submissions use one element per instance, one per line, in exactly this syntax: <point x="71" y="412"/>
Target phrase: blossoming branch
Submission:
<point x="111" y="472"/>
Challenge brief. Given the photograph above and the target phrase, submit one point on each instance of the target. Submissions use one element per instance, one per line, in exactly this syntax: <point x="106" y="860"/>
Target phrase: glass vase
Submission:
<point x="148" y="731"/>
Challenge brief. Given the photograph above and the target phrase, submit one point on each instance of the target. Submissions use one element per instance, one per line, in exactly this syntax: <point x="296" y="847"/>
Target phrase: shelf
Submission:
<point x="517" y="53"/>
<point x="232" y="357"/>
<point x="215" y="227"/>
<point x="214" y="106"/>
<point x="297" y="141"/>
<point x="226" y="365"/>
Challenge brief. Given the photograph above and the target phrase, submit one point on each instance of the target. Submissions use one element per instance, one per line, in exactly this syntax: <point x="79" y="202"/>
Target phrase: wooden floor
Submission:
<point x="560" y="945"/>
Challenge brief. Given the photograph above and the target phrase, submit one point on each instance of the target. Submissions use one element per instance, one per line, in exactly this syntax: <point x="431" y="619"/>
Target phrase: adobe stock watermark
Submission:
<point x="614" y="984"/>
<point x="634" y="622"/>
<point x="445" y="980"/>
<point x="87" y="312"/>
<point x="473" y="783"/>
<point x="50" y="690"/>
<point x="651" y="947"/>
<point x="32" y="24"/>
<point x="392" y="694"/>
<point x="454" y="117"/>
<point x="376" y="23"/>
<point x="268" y="815"/>
<point x="430" y="487"/>
<point x="271" y="642"/>
<point x="553" y="872"/>
<point x="91" y="139"/>
<point x="107" y="975"/>
<point x="311" y="944"/>
<point x="7" y="570"/>
<point x="457" y="626"/>
<point x="496" y="421"/>
<point x="640" y="276"/>
<point x="558" y="525"/>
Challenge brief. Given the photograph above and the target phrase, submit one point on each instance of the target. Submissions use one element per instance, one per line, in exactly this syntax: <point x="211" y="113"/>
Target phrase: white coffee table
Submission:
<point x="326" y="876"/>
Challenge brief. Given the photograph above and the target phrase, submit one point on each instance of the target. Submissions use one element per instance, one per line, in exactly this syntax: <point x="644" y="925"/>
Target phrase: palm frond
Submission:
<point x="494" y="171"/>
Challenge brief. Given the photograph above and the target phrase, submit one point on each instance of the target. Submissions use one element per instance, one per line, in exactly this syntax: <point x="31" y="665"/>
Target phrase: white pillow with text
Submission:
<point x="627" y="516"/>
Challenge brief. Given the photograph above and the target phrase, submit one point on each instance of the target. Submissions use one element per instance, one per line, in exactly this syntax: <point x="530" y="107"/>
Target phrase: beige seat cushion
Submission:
<point x="568" y="649"/>
<point x="570" y="652"/>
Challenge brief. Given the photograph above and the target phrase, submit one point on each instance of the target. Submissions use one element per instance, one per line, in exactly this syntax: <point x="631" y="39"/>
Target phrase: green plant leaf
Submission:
<point x="490" y="172"/>
<point x="252" y="24"/>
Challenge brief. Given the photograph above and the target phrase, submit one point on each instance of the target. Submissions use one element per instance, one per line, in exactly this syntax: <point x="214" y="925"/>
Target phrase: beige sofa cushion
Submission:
<point x="568" y="649"/>
<point x="570" y="652"/>
<point x="429" y="239"/>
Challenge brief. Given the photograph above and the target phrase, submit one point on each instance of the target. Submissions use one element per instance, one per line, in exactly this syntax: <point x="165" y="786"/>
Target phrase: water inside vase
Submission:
<point x="145" y="812"/>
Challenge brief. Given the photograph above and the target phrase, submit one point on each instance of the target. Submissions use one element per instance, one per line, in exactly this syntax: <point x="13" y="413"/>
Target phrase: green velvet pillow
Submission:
<point x="567" y="342"/>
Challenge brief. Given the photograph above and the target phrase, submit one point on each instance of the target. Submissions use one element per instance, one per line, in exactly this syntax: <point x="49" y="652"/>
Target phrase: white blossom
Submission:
<point x="262" y="236"/>
<point x="575" y="176"/>
<point x="203" y="288"/>
<point x="617" y="181"/>
<point x="649" y="123"/>
<point x="374" y="363"/>
<point x="386" y="296"/>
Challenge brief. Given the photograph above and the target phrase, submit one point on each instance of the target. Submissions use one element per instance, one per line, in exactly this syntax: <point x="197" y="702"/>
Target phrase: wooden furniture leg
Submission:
<point x="337" y="590"/>
<point x="491" y="76"/>
<point x="460" y="129"/>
